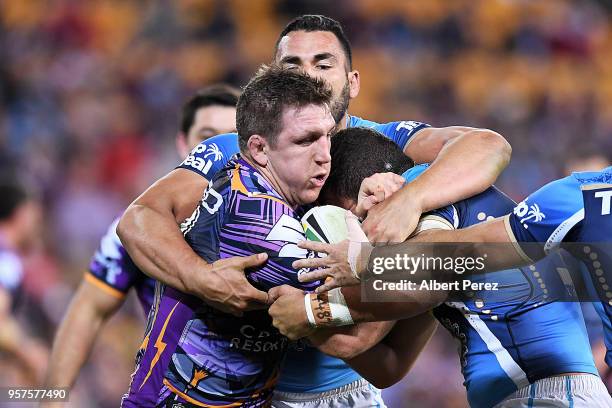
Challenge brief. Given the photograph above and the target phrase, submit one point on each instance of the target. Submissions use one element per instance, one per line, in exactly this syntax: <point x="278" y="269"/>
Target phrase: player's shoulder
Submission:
<point x="110" y="244"/>
<point x="211" y="154"/>
<point x="603" y="176"/>
<point x="556" y="199"/>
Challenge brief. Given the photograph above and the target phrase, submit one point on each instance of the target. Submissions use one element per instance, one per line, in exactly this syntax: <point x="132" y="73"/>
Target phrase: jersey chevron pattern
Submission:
<point x="194" y="353"/>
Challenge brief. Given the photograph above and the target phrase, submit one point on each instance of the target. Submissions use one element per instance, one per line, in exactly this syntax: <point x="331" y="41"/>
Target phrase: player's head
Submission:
<point x="20" y="213"/>
<point x="358" y="153"/>
<point x="284" y="127"/>
<point x="586" y="161"/>
<point x="211" y="111"/>
<point x="317" y="44"/>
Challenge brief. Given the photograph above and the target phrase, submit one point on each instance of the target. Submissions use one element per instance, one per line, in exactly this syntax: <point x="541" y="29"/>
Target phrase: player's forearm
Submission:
<point x="75" y="339"/>
<point x="350" y="341"/>
<point x="396" y="306"/>
<point x="489" y="241"/>
<point x="156" y="244"/>
<point x="390" y="360"/>
<point x="465" y="166"/>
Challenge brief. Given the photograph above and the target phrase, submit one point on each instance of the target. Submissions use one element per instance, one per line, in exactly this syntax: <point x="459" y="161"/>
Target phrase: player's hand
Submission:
<point x="375" y="189"/>
<point x="345" y="262"/>
<point x="394" y="219"/>
<point x="288" y="312"/>
<point x="226" y="288"/>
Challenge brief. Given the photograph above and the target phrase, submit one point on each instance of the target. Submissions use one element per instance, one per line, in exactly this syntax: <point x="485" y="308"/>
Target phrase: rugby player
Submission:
<point x="195" y="355"/>
<point x="20" y="218"/>
<point x="318" y="46"/>
<point x="111" y="274"/>
<point x="505" y="358"/>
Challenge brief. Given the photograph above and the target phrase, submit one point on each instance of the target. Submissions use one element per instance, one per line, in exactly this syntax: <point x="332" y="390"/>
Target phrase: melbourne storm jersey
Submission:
<point x="515" y="335"/>
<point x="11" y="274"/>
<point x="573" y="209"/>
<point x="198" y="354"/>
<point x="113" y="271"/>
<point x="324" y="372"/>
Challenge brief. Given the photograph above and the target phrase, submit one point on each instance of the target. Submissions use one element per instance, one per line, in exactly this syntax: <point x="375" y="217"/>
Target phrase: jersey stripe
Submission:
<point x="505" y="360"/>
<point x="561" y="231"/>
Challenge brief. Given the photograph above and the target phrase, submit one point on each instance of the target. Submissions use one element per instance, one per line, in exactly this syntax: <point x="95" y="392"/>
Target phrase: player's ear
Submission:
<point x="181" y="145"/>
<point x="354" y="83"/>
<point x="258" y="147"/>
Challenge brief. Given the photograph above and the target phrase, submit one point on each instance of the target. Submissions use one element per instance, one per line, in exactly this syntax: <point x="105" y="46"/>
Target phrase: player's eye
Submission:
<point x="324" y="67"/>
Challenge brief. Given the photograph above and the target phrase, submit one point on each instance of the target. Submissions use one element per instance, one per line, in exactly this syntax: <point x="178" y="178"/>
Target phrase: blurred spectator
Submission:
<point x="19" y="226"/>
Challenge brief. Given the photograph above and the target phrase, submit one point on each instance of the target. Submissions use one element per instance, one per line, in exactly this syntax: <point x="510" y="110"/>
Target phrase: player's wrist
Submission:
<point x="199" y="278"/>
<point x="328" y="309"/>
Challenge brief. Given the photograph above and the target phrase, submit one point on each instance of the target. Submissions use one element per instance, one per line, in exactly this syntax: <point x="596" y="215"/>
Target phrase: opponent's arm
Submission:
<point x="343" y="306"/>
<point x="88" y="311"/>
<point x="487" y="239"/>
<point x="390" y="360"/>
<point x="350" y="341"/>
<point x="28" y="353"/>
<point x="465" y="162"/>
<point x="149" y="232"/>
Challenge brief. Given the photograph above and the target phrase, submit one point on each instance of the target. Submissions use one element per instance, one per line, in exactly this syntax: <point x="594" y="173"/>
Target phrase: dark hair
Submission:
<point x="213" y="95"/>
<point x="268" y="93"/>
<point x="12" y="195"/>
<point x="357" y="153"/>
<point x="310" y="22"/>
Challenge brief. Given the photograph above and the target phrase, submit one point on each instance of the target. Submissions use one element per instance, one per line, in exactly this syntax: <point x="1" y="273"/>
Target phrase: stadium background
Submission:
<point x="90" y="93"/>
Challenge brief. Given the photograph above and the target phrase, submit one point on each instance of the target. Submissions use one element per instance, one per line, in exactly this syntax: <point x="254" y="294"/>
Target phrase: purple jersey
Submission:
<point x="197" y="354"/>
<point x="11" y="274"/>
<point x="113" y="271"/>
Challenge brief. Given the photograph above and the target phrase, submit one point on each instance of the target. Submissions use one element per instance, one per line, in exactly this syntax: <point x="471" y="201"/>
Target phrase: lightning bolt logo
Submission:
<point x="159" y="345"/>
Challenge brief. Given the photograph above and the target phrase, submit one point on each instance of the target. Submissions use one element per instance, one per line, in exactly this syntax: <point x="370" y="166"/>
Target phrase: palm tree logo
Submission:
<point x="213" y="150"/>
<point x="534" y="214"/>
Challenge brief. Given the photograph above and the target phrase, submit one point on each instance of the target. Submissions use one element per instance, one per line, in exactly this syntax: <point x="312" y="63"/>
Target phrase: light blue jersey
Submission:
<point x="306" y="369"/>
<point x="574" y="209"/>
<point x="518" y="334"/>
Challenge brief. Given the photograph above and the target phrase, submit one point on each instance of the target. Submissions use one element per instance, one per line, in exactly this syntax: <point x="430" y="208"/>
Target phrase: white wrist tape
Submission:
<point x="340" y="312"/>
<point x="309" y="313"/>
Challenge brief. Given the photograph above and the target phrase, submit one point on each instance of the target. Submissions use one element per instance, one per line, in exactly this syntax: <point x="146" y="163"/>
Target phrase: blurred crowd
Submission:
<point x="90" y="93"/>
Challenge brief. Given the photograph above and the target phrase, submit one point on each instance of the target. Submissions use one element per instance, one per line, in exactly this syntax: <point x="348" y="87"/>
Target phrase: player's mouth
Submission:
<point x="319" y="180"/>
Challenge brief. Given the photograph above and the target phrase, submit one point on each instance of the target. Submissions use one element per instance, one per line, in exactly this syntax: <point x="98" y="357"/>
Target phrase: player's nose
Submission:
<point x="323" y="150"/>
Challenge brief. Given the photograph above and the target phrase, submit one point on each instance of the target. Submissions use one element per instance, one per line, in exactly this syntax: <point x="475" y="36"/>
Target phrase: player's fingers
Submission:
<point x="257" y="296"/>
<point x="355" y="233"/>
<point x="327" y="286"/>
<point x="319" y="274"/>
<point x="274" y="294"/>
<point x="398" y="180"/>
<point x="254" y="260"/>
<point x="315" y="246"/>
<point x="310" y="263"/>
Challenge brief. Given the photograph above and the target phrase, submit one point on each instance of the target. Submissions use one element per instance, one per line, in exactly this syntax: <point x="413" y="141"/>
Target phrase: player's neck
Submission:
<point x="271" y="178"/>
<point x="344" y="122"/>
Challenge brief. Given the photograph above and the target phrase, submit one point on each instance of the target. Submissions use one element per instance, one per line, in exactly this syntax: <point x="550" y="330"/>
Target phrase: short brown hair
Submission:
<point x="268" y="94"/>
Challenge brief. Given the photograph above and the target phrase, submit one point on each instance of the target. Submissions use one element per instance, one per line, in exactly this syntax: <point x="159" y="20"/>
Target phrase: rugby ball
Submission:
<point x="325" y="224"/>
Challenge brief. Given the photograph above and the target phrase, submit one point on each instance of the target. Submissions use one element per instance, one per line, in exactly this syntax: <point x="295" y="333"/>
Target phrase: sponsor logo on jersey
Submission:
<point x="529" y="213"/>
<point x="212" y="153"/>
<point x="605" y="196"/>
<point x="409" y="125"/>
